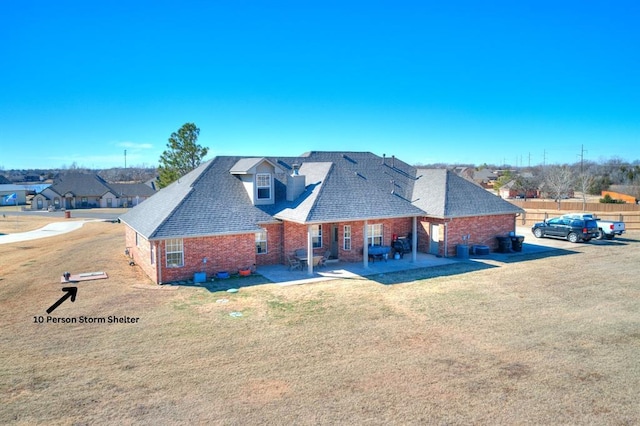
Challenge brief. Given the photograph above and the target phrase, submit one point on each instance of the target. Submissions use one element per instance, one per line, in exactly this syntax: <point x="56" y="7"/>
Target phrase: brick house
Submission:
<point x="77" y="190"/>
<point x="236" y="212"/>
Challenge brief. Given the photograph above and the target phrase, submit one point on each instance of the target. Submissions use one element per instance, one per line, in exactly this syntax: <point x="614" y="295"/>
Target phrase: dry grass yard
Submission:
<point x="548" y="340"/>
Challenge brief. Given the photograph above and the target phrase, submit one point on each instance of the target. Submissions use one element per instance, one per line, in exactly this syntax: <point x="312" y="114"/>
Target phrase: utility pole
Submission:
<point x="582" y="150"/>
<point x="125" y="158"/>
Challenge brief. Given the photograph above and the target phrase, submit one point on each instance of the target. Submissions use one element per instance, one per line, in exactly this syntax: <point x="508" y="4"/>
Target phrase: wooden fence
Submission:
<point x="537" y="211"/>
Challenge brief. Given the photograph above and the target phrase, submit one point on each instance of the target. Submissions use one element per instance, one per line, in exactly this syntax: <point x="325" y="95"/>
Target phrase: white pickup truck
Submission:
<point x="606" y="228"/>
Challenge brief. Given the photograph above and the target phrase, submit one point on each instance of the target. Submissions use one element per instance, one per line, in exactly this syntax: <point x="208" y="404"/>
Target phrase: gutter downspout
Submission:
<point x="414" y="239"/>
<point x="365" y="246"/>
<point x="309" y="251"/>
<point x="446" y="239"/>
<point x="158" y="265"/>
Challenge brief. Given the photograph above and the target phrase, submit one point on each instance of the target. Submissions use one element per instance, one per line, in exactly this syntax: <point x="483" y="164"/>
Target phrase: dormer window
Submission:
<point x="257" y="176"/>
<point x="263" y="185"/>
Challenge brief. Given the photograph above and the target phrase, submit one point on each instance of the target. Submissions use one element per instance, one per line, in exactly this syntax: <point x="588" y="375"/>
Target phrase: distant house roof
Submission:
<point x="484" y="175"/>
<point x="12" y="187"/>
<point x="339" y="186"/>
<point x="91" y="185"/>
<point x="80" y="184"/>
<point x="132" y="189"/>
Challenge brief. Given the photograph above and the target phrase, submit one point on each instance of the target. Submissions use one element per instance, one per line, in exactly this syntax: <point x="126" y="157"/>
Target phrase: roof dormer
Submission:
<point x="257" y="176"/>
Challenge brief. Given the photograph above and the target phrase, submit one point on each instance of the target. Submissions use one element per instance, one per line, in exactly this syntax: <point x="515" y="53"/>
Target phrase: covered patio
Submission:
<point x="344" y="270"/>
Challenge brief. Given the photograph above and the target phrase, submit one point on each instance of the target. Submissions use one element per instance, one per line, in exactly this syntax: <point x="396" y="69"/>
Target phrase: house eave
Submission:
<point x="349" y="219"/>
<point x="217" y="234"/>
<point x="447" y="217"/>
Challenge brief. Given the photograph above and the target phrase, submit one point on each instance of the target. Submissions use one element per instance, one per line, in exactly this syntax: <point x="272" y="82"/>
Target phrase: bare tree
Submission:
<point x="584" y="181"/>
<point x="558" y="182"/>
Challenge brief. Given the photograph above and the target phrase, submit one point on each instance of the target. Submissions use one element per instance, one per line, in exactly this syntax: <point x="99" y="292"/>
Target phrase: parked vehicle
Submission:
<point x="606" y="228"/>
<point x="572" y="229"/>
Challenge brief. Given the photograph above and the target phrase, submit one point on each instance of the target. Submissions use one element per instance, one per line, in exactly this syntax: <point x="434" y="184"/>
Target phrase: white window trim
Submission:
<point x="260" y="240"/>
<point x="259" y="186"/>
<point x="316" y="233"/>
<point x="346" y="236"/>
<point x="372" y="235"/>
<point x="173" y="251"/>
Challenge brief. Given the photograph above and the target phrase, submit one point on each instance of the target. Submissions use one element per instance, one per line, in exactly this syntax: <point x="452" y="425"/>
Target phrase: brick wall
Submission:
<point x="223" y="253"/>
<point x="274" y="246"/>
<point x="232" y="252"/>
<point x="142" y="253"/>
<point x="481" y="230"/>
<point x="295" y="236"/>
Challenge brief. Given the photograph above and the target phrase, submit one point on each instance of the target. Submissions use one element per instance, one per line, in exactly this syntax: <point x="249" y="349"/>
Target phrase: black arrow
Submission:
<point x="71" y="293"/>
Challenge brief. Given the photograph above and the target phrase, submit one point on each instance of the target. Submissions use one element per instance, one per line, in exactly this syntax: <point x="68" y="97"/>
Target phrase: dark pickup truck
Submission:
<point x="571" y="229"/>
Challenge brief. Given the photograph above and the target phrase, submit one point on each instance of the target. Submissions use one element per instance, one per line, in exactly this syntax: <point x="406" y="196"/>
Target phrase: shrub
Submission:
<point x="608" y="200"/>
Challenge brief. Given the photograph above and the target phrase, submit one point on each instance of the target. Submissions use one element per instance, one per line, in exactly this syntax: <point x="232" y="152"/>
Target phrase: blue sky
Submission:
<point x="516" y="82"/>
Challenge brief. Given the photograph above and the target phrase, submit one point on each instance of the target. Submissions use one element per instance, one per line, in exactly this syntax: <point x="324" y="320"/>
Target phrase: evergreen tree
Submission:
<point x="182" y="155"/>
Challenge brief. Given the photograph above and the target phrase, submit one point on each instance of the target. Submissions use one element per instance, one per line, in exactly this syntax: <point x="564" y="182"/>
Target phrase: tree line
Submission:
<point x="588" y="178"/>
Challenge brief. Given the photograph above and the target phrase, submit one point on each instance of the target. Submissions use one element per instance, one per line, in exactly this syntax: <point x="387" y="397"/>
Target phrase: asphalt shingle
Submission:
<point x="443" y="194"/>
<point x="340" y="186"/>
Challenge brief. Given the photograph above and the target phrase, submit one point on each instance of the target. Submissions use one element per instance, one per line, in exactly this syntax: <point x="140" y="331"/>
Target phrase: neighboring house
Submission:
<point x="7" y="191"/>
<point x="485" y="177"/>
<point x="235" y="212"/>
<point x="77" y="190"/>
<point x="510" y="190"/>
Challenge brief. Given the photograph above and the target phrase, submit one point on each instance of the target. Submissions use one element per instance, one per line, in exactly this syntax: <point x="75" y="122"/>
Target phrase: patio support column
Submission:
<point x="365" y="246"/>
<point x="414" y="239"/>
<point x="309" y="250"/>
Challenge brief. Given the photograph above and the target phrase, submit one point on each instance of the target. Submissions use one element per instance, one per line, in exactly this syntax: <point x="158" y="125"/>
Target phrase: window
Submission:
<point x="316" y="235"/>
<point x="175" y="255"/>
<point x="374" y="234"/>
<point x="261" y="242"/>
<point x="347" y="237"/>
<point x="137" y="240"/>
<point x="153" y="252"/>
<point x="263" y="183"/>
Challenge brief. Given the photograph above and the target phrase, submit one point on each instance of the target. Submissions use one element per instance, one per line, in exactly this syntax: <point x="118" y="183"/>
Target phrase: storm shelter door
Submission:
<point x="434" y="242"/>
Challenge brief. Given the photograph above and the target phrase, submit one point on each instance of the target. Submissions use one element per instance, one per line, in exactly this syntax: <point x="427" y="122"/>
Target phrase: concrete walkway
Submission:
<point x="50" y="230"/>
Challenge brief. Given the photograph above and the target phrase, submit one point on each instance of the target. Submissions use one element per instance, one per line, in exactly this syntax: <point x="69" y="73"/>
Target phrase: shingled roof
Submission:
<point x="80" y="184"/>
<point x="132" y="189"/>
<point x="340" y="186"/>
<point x="443" y="194"/>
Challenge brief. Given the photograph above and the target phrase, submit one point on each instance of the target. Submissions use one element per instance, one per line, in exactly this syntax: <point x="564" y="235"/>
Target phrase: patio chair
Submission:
<point x="294" y="263"/>
<point x="323" y="260"/>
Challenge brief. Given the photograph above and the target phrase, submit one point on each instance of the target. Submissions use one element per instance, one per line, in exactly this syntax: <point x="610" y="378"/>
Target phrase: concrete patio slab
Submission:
<point x="346" y="270"/>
